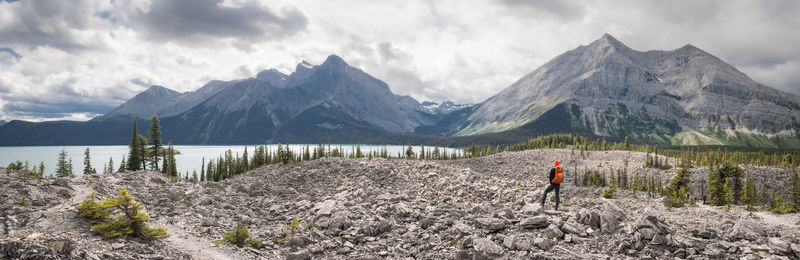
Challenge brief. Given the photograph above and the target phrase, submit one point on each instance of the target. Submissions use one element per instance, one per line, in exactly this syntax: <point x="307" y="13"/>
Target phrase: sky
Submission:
<point x="77" y="59"/>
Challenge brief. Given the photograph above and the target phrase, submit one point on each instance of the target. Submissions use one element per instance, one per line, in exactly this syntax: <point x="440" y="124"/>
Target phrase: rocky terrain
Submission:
<point x="397" y="209"/>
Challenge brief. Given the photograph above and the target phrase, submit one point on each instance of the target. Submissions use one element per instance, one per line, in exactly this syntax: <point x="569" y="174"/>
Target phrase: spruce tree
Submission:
<point x="110" y="164"/>
<point x="794" y="191"/>
<point x="143" y="151"/>
<point x="134" y="150"/>
<point x="245" y="163"/>
<point x="734" y="174"/>
<point x="203" y="170"/>
<point x="87" y="162"/>
<point x="716" y="187"/>
<point x="62" y="166"/>
<point x="41" y="169"/>
<point x="749" y="195"/>
<point x="122" y="165"/>
<point x="69" y="167"/>
<point x="172" y="165"/>
<point x="155" y="140"/>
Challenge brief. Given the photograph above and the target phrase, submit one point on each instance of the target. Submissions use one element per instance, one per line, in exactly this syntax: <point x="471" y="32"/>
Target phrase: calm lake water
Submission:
<point x="189" y="160"/>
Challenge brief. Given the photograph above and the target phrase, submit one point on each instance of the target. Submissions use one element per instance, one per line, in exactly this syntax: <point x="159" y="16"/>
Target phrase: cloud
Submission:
<point x="88" y="56"/>
<point x="200" y="21"/>
<point x="547" y="9"/>
<point x="60" y="24"/>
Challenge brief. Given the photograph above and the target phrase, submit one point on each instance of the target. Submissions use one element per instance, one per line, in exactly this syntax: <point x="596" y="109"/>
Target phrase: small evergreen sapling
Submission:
<point x="119" y="216"/>
<point x="239" y="237"/>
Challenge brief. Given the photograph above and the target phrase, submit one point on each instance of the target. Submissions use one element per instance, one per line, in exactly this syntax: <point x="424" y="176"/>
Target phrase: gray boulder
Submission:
<point x="553" y="232"/>
<point x="534" y="222"/>
<point x="491" y="224"/>
<point x="532" y="209"/>
<point x="302" y="255"/>
<point x="324" y="208"/>
<point x="571" y="228"/>
<point x="747" y="229"/>
<point x="543" y="243"/>
<point x="486" y="246"/>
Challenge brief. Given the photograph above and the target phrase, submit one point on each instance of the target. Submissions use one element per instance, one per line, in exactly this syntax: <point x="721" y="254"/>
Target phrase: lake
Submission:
<point x="189" y="160"/>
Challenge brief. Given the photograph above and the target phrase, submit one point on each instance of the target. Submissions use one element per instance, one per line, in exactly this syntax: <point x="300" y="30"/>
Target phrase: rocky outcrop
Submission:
<point x="361" y="208"/>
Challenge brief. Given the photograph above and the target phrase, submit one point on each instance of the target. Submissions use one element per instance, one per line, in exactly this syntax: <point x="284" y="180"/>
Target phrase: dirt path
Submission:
<point x="198" y="248"/>
<point x="79" y="194"/>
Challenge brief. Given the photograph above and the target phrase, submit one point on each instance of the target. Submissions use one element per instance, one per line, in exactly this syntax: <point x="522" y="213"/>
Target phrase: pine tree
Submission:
<point x="62" y="166"/>
<point x="41" y="169"/>
<point x="122" y="165"/>
<point x="203" y="169"/>
<point x="627" y="143"/>
<point x="734" y="174"/>
<point x="245" y="163"/>
<point x="716" y="187"/>
<point x="409" y="152"/>
<point x="143" y="151"/>
<point x="155" y="140"/>
<point x="87" y="162"/>
<point x="794" y="191"/>
<point x="110" y="164"/>
<point x="172" y="167"/>
<point x="749" y="195"/>
<point x="134" y="150"/>
<point x="121" y="217"/>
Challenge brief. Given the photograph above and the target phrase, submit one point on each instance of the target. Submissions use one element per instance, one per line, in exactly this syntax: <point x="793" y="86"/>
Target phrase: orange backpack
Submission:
<point x="559" y="175"/>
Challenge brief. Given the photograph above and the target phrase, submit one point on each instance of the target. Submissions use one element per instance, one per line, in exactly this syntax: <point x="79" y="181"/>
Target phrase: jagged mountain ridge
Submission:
<point x="266" y="108"/>
<point x="166" y="102"/>
<point x="604" y="89"/>
<point x="276" y="98"/>
<point x="607" y="81"/>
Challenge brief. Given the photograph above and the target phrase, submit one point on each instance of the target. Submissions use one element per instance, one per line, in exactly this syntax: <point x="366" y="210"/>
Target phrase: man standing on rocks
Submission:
<point x="556" y="177"/>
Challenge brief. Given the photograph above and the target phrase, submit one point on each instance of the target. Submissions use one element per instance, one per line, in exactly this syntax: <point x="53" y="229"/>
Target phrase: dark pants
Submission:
<point x="556" y="187"/>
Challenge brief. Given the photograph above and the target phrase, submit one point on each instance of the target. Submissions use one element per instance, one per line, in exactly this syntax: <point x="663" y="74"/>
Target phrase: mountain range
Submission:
<point x="604" y="89"/>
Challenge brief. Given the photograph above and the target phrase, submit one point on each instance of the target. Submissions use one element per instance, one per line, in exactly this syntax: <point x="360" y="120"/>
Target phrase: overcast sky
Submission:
<point x="76" y="59"/>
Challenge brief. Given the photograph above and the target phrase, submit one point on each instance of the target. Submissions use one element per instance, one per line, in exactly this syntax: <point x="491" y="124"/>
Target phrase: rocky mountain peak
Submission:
<point x="303" y="66"/>
<point x="334" y="61"/>
<point x="609" y="41"/>
<point x="273" y="77"/>
<point x="159" y="90"/>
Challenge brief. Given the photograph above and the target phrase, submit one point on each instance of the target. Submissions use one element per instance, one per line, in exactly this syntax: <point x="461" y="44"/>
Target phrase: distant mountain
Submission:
<point x="165" y="102"/>
<point x="2" y="122"/>
<point x="605" y="89"/>
<point x="326" y="99"/>
<point x="444" y="107"/>
<point x="684" y="96"/>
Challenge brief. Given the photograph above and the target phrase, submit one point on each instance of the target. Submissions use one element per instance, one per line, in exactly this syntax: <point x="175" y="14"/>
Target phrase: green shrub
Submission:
<point x="290" y="231"/>
<point x="781" y="206"/>
<point x="239" y="237"/>
<point x="677" y="198"/>
<point x="24" y="201"/>
<point x="94" y="210"/>
<point x="16" y="165"/>
<point x="119" y="216"/>
<point x="610" y="192"/>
